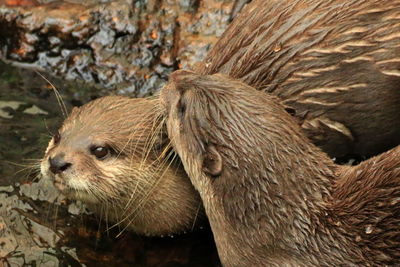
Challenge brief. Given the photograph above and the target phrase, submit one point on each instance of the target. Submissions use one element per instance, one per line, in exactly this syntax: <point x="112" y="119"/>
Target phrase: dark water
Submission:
<point x="38" y="227"/>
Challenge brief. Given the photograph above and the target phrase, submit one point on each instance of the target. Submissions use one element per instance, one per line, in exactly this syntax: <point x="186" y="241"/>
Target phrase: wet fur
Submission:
<point x="342" y="98"/>
<point x="271" y="196"/>
<point x="334" y="62"/>
<point x="139" y="186"/>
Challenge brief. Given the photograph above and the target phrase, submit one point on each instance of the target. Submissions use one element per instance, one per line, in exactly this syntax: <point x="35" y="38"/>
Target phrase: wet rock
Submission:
<point x="42" y="190"/>
<point x="12" y="105"/>
<point x="128" y="45"/>
<point x="77" y="208"/>
<point x="8" y="244"/>
<point x="6" y="189"/>
<point x="22" y="239"/>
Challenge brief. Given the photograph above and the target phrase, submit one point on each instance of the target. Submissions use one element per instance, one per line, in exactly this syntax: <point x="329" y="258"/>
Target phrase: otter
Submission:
<point x="331" y="63"/>
<point x="335" y="64"/>
<point x="272" y="197"/>
<point x="104" y="156"/>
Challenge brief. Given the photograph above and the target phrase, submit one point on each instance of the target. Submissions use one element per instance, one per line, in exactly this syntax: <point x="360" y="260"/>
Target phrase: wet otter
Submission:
<point x="271" y="196"/>
<point x="103" y="155"/>
<point x="335" y="63"/>
<point x="342" y="90"/>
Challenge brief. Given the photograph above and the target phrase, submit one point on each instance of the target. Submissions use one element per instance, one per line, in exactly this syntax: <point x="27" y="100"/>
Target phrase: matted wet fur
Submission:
<point x="334" y="64"/>
<point x="135" y="182"/>
<point x="271" y="196"/>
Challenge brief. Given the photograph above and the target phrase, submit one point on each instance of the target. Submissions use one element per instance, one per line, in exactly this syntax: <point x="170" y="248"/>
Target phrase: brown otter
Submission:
<point x="271" y="196"/>
<point x="334" y="62"/>
<point x="344" y="92"/>
<point x="104" y="155"/>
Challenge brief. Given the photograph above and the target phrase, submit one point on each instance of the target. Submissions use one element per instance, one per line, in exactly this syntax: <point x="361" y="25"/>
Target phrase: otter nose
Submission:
<point x="58" y="164"/>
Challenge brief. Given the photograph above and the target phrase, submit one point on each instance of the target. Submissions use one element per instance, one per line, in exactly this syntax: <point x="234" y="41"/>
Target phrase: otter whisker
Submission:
<point x="141" y="202"/>
<point x="60" y="101"/>
<point x="143" y="120"/>
<point x="34" y="164"/>
<point x="127" y="205"/>
<point x="197" y="215"/>
<point x="101" y="214"/>
<point x="37" y="177"/>
<point x="145" y="198"/>
<point x="106" y="218"/>
<point x="31" y="168"/>
<point x="141" y="184"/>
<point x="155" y="132"/>
<point x="151" y="139"/>
<point x="126" y="178"/>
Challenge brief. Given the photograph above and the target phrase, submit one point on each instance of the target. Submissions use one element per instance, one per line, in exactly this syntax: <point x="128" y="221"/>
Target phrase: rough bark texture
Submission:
<point x="124" y="44"/>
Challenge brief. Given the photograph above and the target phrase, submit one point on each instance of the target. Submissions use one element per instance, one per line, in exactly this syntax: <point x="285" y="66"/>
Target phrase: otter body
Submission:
<point x="271" y="196"/>
<point x="332" y="63"/>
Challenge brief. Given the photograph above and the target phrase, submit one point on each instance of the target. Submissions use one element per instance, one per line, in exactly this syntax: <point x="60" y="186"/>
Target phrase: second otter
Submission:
<point x="271" y="196"/>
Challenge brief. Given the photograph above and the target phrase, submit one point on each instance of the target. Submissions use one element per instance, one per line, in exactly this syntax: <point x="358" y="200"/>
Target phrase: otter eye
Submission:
<point x="100" y="151"/>
<point x="56" y="137"/>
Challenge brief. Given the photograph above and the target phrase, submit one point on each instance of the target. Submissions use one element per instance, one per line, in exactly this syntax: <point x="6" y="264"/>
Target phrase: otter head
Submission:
<point x="220" y="126"/>
<point x="198" y="110"/>
<point x="111" y="154"/>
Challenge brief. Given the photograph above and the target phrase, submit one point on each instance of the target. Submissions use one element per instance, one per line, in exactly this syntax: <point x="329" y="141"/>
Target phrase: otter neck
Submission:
<point x="278" y="199"/>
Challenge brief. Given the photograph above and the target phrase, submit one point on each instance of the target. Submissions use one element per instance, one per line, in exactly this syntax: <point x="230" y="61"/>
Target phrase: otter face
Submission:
<point x="83" y="166"/>
<point x="112" y="155"/>
<point x="214" y="123"/>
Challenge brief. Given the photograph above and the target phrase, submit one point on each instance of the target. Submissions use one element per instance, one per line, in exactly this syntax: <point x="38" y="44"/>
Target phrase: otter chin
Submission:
<point x="271" y="196"/>
<point x="112" y="155"/>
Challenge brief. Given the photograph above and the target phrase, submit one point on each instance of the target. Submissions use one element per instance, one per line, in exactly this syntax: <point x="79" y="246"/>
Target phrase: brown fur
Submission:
<point x="136" y="186"/>
<point x="335" y="62"/>
<point x="271" y="196"/>
<point x="332" y="61"/>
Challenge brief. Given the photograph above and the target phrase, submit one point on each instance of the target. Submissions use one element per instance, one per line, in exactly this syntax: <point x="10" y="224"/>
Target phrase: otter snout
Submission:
<point x="58" y="164"/>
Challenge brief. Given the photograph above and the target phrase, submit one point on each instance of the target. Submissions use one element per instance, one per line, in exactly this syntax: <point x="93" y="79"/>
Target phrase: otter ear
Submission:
<point x="181" y="79"/>
<point x="212" y="161"/>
